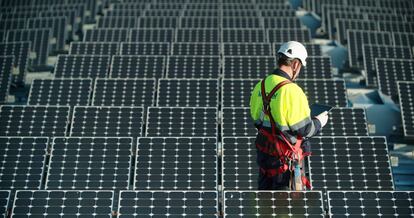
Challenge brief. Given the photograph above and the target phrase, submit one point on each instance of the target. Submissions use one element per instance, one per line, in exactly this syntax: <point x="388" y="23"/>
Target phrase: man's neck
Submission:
<point x="287" y="70"/>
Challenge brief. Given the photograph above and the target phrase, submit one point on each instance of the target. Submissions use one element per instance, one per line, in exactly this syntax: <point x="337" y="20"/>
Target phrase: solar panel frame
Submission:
<point x="252" y="13"/>
<point x="63" y="67"/>
<point x="150" y="71"/>
<point x="181" y="109"/>
<point x="176" y="201"/>
<point x="241" y="22"/>
<point x="403" y="38"/>
<point x="9" y="24"/>
<point x="199" y="87"/>
<point x="57" y="25"/>
<point x="199" y="22"/>
<point x="342" y="25"/>
<point x="29" y="172"/>
<point x="340" y="14"/>
<point x="202" y="13"/>
<point x="19" y="14"/>
<point x="396" y="26"/>
<point x="272" y="204"/>
<point x="406" y="103"/>
<point x="21" y="60"/>
<point x="191" y="48"/>
<point x="389" y="70"/>
<point x="167" y="147"/>
<point x="237" y="92"/>
<point x="208" y="67"/>
<point x="46" y="125"/>
<point x="286" y="34"/>
<point x="366" y="203"/>
<point x="152" y="35"/>
<point x="117" y="22"/>
<point x="249" y="69"/>
<point x="58" y="202"/>
<point x="94" y="48"/>
<point x="158" y="22"/>
<point x="277" y="13"/>
<point x="72" y="24"/>
<point x="63" y="155"/>
<point x="124" y="12"/>
<point x="385" y="16"/>
<point x="132" y="95"/>
<point x="4" y="200"/>
<point x="247" y="49"/>
<point x="145" y="48"/>
<point x="281" y="22"/>
<point x="317" y="67"/>
<point x="197" y="35"/>
<point x="106" y="35"/>
<point x="6" y="69"/>
<point x="339" y="97"/>
<point x="257" y="35"/>
<point x="136" y="6"/>
<point x="346" y="122"/>
<point x="176" y="13"/>
<point x="118" y="133"/>
<point x="238" y="123"/>
<point x="274" y="6"/>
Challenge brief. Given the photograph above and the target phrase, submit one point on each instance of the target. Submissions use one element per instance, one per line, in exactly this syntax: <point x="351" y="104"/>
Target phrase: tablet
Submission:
<point x="317" y="109"/>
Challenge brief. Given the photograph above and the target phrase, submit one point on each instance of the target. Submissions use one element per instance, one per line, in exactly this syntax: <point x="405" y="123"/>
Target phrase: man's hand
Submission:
<point x="323" y="118"/>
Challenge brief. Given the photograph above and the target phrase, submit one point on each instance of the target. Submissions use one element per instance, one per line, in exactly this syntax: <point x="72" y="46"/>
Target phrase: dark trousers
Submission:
<point x="278" y="182"/>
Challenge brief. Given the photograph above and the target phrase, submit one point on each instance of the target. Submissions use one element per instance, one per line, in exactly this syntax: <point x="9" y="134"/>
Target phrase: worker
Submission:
<point x="283" y="118"/>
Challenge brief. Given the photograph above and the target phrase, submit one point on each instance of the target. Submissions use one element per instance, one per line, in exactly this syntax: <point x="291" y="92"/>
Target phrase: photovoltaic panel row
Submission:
<point x="241" y="22"/>
<point x="152" y="35"/>
<point x="70" y="92"/>
<point x="342" y="25"/>
<point x="370" y="203"/>
<point x="89" y="163"/>
<point x="82" y="66"/>
<point x="312" y="48"/>
<point x="130" y="12"/>
<point x="200" y="22"/>
<point x="57" y="26"/>
<point x="134" y="66"/>
<point x="406" y="96"/>
<point x="370" y="52"/>
<point x="6" y="69"/>
<point x="334" y="15"/>
<point x="356" y="38"/>
<point x="389" y="70"/>
<point x="40" y="43"/>
<point x="106" y="35"/>
<point x="406" y="39"/>
<point x="4" y="202"/>
<point x="239" y="168"/>
<point x="182" y="121"/>
<point x="107" y="121"/>
<point x="117" y="22"/>
<point x="124" y="92"/>
<point x="198" y="49"/>
<point x="267" y="12"/>
<point x="188" y="163"/>
<point x="282" y="22"/>
<point x="247" y="49"/>
<point x="236" y="121"/>
<point x="53" y="203"/>
<point x="273" y="204"/>
<point x="193" y="67"/>
<point x="145" y="48"/>
<point x="325" y="91"/>
<point x="13" y="23"/>
<point x="94" y="48"/>
<point x="350" y="163"/>
<point x="396" y="26"/>
<point x="197" y="35"/>
<point x="168" y="203"/>
<point x="282" y="35"/>
<point x="23" y="161"/>
<point x="188" y="92"/>
<point x="71" y="15"/>
<point x="236" y="92"/>
<point x="20" y="120"/>
<point x="248" y="66"/>
<point x="317" y="67"/>
<point x="243" y="35"/>
<point x="155" y="13"/>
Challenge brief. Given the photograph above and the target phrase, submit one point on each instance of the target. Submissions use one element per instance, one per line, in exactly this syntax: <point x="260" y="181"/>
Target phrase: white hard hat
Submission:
<point x="294" y="49"/>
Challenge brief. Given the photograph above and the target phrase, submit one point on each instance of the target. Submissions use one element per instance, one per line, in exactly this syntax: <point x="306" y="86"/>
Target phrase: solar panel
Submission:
<point x="356" y="38"/>
<point x="386" y="16"/>
<point x="403" y="38"/>
<point x="346" y="122"/>
<point x="117" y="22"/>
<point x="107" y="121"/>
<point x="68" y="92"/>
<point x="370" y="52"/>
<point x="2" y="35"/>
<point x="167" y="5"/>
<point x="202" y="12"/>
<point x="72" y="25"/>
<point x="200" y="22"/>
<point x="277" y="13"/>
<point x="247" y="49"/>
<point x="188" y="92"/>
<point x="350" y="163"/>
<point x="23" y="160"/>
<point x="342" y="25"/>
<point x="39" y="39"/>
<point x="273" y="204"/>
<point x="136" y="6"/>
<point x="106" y="35"/>
<point x="396" y="4"/>
<point x="10" y="24"/>
<point x="239" y="168"/>
<point x="193" y="67"/>
<point x="243" y="35"/>
<point x="57" y="26"/>
<point x="396" y="26"/>
<point x="79" y="7"/>
<point x="151" y="35"/>
<point x="145" y="48"/>
<point x="124" y="92"/>
<point x="236" y="92"/>
<point x="241" y="13"/>
<point x="203" y="49"/>
<point x="197" y="35"/>
<point x="6" y="69"/>
<point x="53" y="203"/>
<point x="370" y="203"/>
<point x="158" y="22"/>
<point x="317" y="67"/>
<point x="182" y="121"/>
<point x="248" y="66"/>
<point x="168" y="203"/>
<point x="237" y="5"/>
<point x="89" y="163"/>
<point x="94" y="48"/>
<point x="325" y="91"/>
<point x="134" y="66"/>
<point x="172" y="13"/>
<point x="19" y="15"/>
<point x="328" y="11"/>
<point x="124" y="13"/>
<point x="236" y="121"/>
<point x="340" y="14"/>
<point x="82" y="66"/>
<point x="4" y="202"/>
<point x="312" y="48"/>
<point x="389" y="70"/>
<point x="405" y="92"/>
<point x="202" y="6"/>
<point x="241" y="22"/>
<point x="193" y="163"/>
<point x="281" y="22"/>
<point x="283" y="35"/>
<point x="409" y="17"/>
<point x="19" y="120"/>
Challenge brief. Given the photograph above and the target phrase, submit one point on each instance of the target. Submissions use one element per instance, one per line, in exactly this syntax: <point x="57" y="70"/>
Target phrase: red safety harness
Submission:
<point x="279" y="146"/>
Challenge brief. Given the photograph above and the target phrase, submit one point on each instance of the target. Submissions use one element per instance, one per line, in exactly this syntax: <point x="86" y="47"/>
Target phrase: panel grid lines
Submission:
<point x="6" y="70"/>
<point x="138" y="66"/>
<point x="406" y="96"/>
